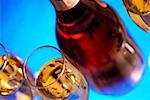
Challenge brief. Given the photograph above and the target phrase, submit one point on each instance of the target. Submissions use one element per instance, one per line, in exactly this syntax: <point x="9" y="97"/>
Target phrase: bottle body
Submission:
<point x="93" y="36"/>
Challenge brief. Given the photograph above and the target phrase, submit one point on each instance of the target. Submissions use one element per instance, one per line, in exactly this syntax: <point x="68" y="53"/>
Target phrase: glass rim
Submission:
<point x="25" y="65"/>
<point x="6" y="50"/>
<point x="3" y="47"/>
<point x="6" y="53"/>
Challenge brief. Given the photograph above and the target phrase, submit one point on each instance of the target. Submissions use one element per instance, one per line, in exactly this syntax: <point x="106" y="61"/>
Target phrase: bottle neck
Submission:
<point x="62" y="5"/>
<point x="75" y="14"/>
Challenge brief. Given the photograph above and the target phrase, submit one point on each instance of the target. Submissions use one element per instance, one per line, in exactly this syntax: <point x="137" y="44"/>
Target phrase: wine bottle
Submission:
<point x="92" y="34"/>
<point x="139" y="11"/>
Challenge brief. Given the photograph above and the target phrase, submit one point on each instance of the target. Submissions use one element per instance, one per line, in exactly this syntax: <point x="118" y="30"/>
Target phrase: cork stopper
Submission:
<point x="62" y="5"/>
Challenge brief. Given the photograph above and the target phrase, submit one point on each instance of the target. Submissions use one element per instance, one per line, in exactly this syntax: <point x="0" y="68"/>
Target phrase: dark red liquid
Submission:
<point x="94" y="37"/>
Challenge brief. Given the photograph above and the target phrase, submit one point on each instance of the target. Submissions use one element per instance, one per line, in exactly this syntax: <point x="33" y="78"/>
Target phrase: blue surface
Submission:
<point x="27" y="24"/>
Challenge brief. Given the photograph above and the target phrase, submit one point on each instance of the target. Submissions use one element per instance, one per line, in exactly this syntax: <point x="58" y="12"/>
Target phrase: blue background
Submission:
<point x="27" y="24"/>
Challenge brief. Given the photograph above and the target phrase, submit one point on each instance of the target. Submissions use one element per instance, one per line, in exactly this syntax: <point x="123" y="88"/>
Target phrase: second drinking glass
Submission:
<point x="55" y="75"/>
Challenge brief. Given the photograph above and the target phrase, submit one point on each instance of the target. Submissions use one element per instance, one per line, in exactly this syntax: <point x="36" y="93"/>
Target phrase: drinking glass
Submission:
<point x="12" y="83"/>
<point x="139" y="11"/>
<point x="55" y="75"/>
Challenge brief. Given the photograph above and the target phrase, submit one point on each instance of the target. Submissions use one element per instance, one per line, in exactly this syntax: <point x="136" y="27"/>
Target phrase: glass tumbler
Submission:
<point x="12" y="83"/>
<point x="56" y="76"/>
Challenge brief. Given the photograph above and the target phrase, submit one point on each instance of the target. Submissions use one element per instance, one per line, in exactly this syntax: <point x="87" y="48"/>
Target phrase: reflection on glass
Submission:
<point x="55" y="75"/>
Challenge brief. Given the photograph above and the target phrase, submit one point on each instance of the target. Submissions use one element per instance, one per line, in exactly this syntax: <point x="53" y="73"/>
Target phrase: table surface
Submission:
<point x="27" y="24"/>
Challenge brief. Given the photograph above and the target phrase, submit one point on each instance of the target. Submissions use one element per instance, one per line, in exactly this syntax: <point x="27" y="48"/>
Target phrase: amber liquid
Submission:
<point x="54" y="88"/>
<point x="11" y="75"/>
<point x="139" y="11"/>
<point x="93" y="36"/>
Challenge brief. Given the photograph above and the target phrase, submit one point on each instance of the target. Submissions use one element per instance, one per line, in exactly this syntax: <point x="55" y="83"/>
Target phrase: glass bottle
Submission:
<point x="92" y="34"/>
